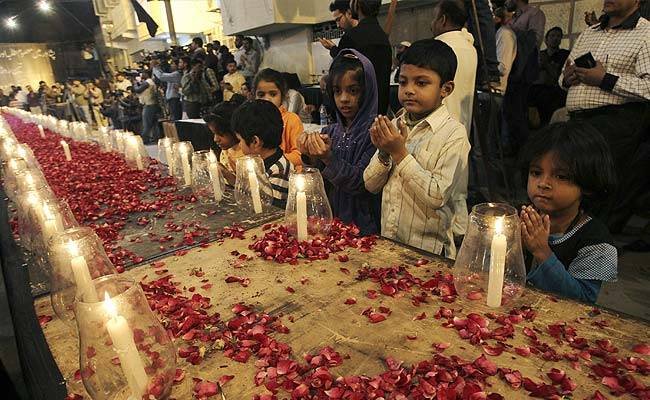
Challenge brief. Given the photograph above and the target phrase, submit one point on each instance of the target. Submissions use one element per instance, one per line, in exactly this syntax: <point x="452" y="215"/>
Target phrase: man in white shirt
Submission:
<point x="506" y="46"/>
<point x="449" y="17"/>
<point x="121" y="83"/>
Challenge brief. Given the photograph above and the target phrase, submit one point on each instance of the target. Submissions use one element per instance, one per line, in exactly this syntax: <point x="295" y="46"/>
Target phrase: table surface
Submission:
<point x="317" y="317"/>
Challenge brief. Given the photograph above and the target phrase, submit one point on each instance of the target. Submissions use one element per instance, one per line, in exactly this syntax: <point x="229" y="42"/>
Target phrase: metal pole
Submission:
<point x="170" y="23"/>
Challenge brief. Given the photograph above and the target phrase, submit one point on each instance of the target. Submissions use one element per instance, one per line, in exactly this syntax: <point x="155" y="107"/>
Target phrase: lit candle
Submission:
<point x="216" y="181"/>
<point x="135" y="148"/>
<point x="167" y="144"/>
<point x="119" y="141"/>
<point x="301" y="209"/>
<point x="255" y="187"/>
<point x="83" y="280"/>
<point x="497" y="264"/>
<point x="185" y="163"/>
<point x="52" y="223"/>
<point x="41" y="131"/>
<point x="124" y="345"/>
<point x="66" y="150"/>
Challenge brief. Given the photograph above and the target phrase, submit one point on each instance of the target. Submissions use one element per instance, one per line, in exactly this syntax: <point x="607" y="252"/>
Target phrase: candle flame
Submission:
<point x="46" y="212"/>
<point x="300" y="183"/>
<point x="29" y="179"/>
<point x="32" y="199"/>
<point x="21" y="151"/>
<point x="109" y="305"/>
<point x="73" y="248"/>
<point x="498" y="226"/>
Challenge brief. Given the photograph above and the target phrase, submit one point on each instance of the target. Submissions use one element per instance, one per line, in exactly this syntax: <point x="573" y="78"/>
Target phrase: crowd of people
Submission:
<point x="404" y="173"/>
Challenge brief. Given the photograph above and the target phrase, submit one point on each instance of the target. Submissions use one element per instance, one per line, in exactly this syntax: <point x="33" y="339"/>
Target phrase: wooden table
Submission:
<point x="320" y="318"/>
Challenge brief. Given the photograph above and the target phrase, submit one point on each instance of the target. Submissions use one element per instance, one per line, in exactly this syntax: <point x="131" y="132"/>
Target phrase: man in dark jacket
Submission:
<point x="369" y="39"/>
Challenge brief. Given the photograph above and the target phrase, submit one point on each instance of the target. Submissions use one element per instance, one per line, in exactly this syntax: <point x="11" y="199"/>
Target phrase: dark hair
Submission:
<point x="186" y="59"/>
<point x="339" y="67"/>
<point x="369" y="8"/>
<point x="259" y="118"/>
<point x="454" y="10"/>
<point x="341" y="5"/>
<point x="237" y="99"/>
<point x="555" y="28"/>
<point x="434" y="55"/>
<point x="271" y="75"/>
<point x="196" y="60"/>
<point x="583" y="152"/>
<point x="221" y="116"/>
<point x="247" y="39"/>
<point x="197" y="41"/>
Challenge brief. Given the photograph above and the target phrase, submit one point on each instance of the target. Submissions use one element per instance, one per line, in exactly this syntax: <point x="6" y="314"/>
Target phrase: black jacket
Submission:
<point x="370" y="40"/>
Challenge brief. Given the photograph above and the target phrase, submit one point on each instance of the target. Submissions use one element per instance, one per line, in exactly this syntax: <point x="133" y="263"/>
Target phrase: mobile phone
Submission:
<point x="585" y="61"/>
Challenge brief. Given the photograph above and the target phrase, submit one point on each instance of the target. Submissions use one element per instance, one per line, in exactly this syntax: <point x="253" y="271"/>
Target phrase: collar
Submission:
<point x="629" y="23"/>
<point x="435" y="119"/>
<point x="269" y="161"/>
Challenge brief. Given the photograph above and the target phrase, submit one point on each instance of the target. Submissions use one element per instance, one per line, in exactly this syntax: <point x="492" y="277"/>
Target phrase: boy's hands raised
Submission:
<point x="387" y="138"/>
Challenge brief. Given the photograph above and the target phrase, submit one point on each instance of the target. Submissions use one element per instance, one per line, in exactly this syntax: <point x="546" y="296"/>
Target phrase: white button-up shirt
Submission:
<point x="417" y="207"/>
<point x="624" y="52"/>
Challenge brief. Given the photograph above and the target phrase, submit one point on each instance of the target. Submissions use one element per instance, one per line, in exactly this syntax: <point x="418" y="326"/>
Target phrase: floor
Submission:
<point x="631" y="293"/>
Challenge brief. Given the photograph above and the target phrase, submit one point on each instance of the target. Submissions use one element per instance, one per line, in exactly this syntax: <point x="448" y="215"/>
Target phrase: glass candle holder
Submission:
<point x="124" y="352"/>
<point x="63" y="128"/>
<point x="23" y="151"/>
<point x="24" y="180"/>
<point x="105" y="140"/>
<point x="182" y="167"/>
<point x="119" y="140"/>
<point x="76" y="257"/>
<point x="207" y="185"/>
<point x="7" y="145"/>
<point x="51" y="219"/>
<point x="308" y="211"/>
<point x="253" y="190"/>
<point x="135" y="153"/>
<point x="165" y="153"/>
<point x="29" y="204"/>
<point x="490" y="264"/>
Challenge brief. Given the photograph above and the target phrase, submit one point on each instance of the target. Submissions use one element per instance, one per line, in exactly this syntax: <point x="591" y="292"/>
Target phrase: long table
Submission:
<point x="315" y="312"/>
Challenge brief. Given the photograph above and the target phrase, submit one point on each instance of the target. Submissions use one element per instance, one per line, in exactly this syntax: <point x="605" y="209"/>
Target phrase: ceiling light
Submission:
<point x="11" y="23"/>
<point x="44" y="6"/>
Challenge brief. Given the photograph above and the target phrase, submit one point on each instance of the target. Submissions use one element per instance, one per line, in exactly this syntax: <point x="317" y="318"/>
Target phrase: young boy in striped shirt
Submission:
<point x="258" y="125"/>
<point x="422" y="154"/>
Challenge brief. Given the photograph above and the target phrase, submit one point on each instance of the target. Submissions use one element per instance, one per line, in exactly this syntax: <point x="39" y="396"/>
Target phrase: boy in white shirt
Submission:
<point x="420" y="162"/>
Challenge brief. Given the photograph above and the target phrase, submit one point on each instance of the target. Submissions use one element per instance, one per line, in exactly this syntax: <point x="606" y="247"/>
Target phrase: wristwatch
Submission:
<point x="384" y="158"/>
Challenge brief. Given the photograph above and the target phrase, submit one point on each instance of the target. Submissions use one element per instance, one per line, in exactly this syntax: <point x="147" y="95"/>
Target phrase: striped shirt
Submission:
<point x="417" y="199"/>
<point x="278" y="169"/>
<point x="625" y="53"/>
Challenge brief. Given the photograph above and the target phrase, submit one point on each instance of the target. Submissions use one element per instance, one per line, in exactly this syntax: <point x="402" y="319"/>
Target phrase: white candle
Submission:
<point x="124" y="345"/>
<point x="301" y="209"/>
<point x="106" y="140"/>
<point x="255" y="187"/>
<point x="497" y="265"/>
<point x="216" y="181"/>
<point x="185" y="163"/>
<point x="119" y="141"/>
<point x="83" y="280"/>
<point x="41" y="131"/>
<point x="135" y="149"/>
<point x="66" y="150"/>
<point x="52" y="223"/>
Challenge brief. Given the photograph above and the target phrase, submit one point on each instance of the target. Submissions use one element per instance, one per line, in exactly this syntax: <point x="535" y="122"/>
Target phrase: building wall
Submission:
<point x="290" y="51"/>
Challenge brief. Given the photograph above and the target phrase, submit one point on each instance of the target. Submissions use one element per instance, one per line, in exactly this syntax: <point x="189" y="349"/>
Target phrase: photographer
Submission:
<point x="196" y="89"/>
<point x="130" y="112"/>
<point x="173" y="81"/>
<point x="145" y="88"/>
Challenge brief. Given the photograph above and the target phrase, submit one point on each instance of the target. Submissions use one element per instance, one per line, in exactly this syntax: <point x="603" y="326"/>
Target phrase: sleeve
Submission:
<point x="186" y="81"/>
<point x="279" y="188"/>
<point x="506" y="50"/>
<point x="346" y="42"/>
<point x="290" y="140"/>
<point x="141" y="87"/>
<point x="637" y="85"/>
<point x="435" y="186"/>
<point x="165" y="77"/>
<point x="376" y="174"/>
<point x="537" y="24"/>
<point x="552" y="276"/>
<point x="349" y="177"/>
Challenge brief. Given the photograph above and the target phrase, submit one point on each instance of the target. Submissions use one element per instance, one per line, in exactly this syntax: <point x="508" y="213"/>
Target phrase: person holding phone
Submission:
<point x="607" y="78"/>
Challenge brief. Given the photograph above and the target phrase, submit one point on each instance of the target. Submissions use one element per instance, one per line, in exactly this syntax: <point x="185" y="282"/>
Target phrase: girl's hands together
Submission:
<point x="535" y="230"/>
